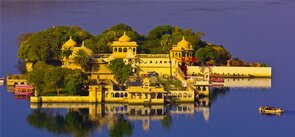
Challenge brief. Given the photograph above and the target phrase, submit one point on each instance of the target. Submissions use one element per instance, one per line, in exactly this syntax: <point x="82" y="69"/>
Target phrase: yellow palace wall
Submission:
<point x="254" y="71"/>
<point x="160" y="65"/>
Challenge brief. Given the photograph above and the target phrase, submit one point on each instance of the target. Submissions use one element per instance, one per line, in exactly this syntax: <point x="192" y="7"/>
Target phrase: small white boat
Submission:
<point x="2" y="81"/>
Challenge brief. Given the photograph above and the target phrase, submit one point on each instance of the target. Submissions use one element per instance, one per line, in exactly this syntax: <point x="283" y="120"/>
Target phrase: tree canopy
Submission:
<point x="44" y="45"/>
<point x="46" y="77"/>
<point x="120" y="70"/>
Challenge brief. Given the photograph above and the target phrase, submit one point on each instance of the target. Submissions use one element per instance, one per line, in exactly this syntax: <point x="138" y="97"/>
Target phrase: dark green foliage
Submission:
<point x="159" y="31"/>
<point x="54" y="78"/>
<point x="45" y="77"/>
<point x="223" y="56"/>
<point x="202" y="55"/>
<point x="212" y="53"/>
<point x="120" y="70"/>
<point x="74" y="81"/>
<point x="44" y="45"/>
<point x="37" y="75"/>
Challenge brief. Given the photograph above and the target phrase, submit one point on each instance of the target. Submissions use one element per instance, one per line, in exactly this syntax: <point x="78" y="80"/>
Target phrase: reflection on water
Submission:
<point x="248" y="82"/>
<point x="82" y="118"/>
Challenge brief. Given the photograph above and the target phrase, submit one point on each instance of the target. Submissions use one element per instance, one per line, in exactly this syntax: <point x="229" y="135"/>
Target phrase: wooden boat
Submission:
<point x="2" y="81"/>
<point x="23" y="90"/>
<point x="270" y="109"/>
<point x="217" y="78"/>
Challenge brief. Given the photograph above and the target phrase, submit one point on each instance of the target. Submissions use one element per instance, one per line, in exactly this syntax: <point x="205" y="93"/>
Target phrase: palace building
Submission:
<point x="126" y="49"/>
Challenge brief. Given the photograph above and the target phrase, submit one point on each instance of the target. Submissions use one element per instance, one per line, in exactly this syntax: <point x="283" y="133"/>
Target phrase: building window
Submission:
<point x="125" y="50"/>
<point x="120" y="49"/>
<point x="165" y="61"/>
<point x="133" y="49"/>
<point x="160" y="61"/>
<point x="115" y="50"/>
<point x="156" y="62"/>
<point x="151" y="62"/>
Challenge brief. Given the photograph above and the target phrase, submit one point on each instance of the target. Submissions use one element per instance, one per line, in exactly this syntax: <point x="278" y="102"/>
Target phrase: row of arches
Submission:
<point x="180" y="54"/>
<point x="123" y="49"/>
<point x="182" y="95"/>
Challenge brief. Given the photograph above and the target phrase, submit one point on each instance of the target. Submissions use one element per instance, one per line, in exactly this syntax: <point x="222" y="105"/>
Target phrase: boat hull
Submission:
<point x="23" y="93"/>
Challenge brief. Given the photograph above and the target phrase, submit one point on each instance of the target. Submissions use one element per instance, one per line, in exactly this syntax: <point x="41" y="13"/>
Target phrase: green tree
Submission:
<point x="44" y="45"/>
<point x="66" y="53"/>
<point x="55" y="77"/>
<point x="36" y="76"/>
<point x="120" y="70"/>
<point x="212" y="53"/>
<point x="223" y="56"/>
<point x="202" y="55"/>
<point x="159" y="31"/>
<point x="74" y="81"/>
<point x="166" y="46"/>
<point x="81" y="57"/>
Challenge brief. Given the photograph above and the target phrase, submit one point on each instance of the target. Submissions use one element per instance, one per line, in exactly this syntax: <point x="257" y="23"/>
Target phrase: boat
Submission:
<point x="2" y="81"/>
<point x="217" y="78"/>
<point x="23" y="90"/>
<point x="270" y="109"/>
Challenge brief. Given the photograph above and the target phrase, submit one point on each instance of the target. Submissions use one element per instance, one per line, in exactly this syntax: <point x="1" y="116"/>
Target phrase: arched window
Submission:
<point x="156" y="62"/>
<point x="115" y="50"/>
<point x="120" y="49"/>
<point x="125" y="50"/>
<point x="180" y="95"/>
<point x="151" y="62"/>
<point x="160" y="61"/>
<point x="117" y="95"/>
<point x="133" y="49"/>
<point x="165" y="61"/>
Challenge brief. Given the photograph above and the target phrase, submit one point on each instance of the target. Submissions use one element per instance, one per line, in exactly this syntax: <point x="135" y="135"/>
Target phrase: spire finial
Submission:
<point x="70" y="36"/>
<point x="124" y="33"/>
<point x="83" y="43"/>
<point x="183" y="38"/>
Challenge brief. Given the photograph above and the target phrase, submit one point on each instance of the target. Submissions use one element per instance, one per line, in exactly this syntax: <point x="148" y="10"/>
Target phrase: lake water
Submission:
<point x="255" y="31"/>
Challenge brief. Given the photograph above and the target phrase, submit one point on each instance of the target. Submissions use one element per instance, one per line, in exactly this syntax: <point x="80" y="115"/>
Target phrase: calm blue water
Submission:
<point x="255" y="31"/>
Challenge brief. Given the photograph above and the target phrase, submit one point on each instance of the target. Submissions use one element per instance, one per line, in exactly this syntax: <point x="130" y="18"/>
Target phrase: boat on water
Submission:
<point x="270" y="109"/>
<point x="23" y="90"/>
<point x="217" y="78"/>
<point x="2" y="81"/>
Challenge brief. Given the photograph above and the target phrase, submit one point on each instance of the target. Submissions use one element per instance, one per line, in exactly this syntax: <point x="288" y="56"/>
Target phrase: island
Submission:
<point x="68" y="64"/>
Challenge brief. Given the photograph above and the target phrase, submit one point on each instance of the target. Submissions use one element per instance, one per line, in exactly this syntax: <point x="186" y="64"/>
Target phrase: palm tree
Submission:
<point x="200" y="34"/>
<point x="81" y="57"/>
<point x="66" y="53"/>
<point x="166" y="44"/>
